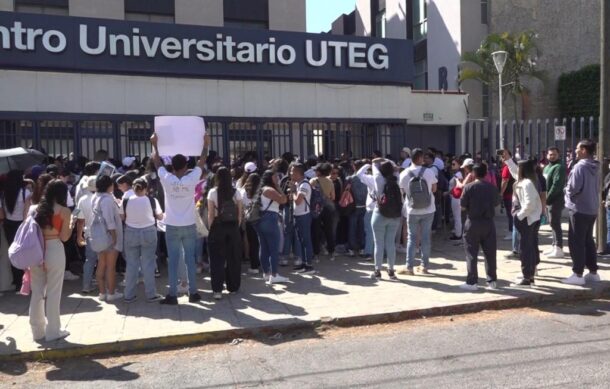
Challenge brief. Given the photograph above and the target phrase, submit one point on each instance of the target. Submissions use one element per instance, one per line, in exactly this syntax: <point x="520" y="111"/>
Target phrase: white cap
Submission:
<point x="250" y="167"/>
<point x="407" y="151"/>
<point x="467" y="162"/>
<point x="128" y="161"/>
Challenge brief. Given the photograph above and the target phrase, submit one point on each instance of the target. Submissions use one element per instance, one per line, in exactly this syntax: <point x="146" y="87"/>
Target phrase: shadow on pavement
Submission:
<point x="14" y="368"/>
<point x="86" y="369"/>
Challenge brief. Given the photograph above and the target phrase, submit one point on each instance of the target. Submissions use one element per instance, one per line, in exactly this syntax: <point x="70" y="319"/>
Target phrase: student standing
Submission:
<point x="555" y="175"/>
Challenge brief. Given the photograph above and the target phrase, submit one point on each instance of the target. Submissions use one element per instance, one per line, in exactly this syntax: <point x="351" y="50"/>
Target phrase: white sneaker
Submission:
<point x="61" y="335"/>
<point x="277" y="279"/>
<point x="590" y="277"/>
<point x="183" y="289"/>
<point x="493" y="285"/>
<point x="69" y="276"/>
<point x="102" y="297"/>
<point x="351" y="253"/>
<point x="283" y="262"/>
<point x="549" y="251"/>
<point x="508" y="236"/>
<point x="469" y="288"/>
<point x="252" y="271"/>
<point x="123" y="283"/>
<point x="574" y="280"/>
<point x="556" y="253"/>
<point x="217" y="296"/>
<point x="115" y="296"/>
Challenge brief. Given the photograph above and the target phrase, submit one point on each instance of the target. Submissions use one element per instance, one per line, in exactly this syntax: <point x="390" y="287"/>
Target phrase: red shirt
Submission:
<point x="508" y="193"/>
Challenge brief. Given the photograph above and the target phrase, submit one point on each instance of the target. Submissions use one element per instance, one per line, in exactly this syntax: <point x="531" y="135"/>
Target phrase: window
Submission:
<point x="380" y="22"/>
<point x="485" y="101"/>
<point x="420" y="81"/>
<point x="158" y="11"/>
<point x="420" y="20"/>
<point x="46" y="7"/>
<point x="484" y="11"/>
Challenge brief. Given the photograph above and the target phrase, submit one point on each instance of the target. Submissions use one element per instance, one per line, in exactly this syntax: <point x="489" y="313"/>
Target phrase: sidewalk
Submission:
<point x="342" y="293"/>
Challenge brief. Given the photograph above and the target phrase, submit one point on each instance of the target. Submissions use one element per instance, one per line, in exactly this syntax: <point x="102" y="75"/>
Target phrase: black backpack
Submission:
<point x="227" y="211"/>
<point x="390" y="203"/>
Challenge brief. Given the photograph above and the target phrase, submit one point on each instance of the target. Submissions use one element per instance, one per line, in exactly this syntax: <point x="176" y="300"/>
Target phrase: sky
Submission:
<point x="322" y="13"/>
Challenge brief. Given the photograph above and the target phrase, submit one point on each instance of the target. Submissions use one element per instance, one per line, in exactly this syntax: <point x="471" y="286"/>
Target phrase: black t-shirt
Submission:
<point x="480" y="198"/>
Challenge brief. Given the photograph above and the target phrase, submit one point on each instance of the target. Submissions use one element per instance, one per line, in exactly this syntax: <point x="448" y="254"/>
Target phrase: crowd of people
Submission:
<point x="191" y="216"/>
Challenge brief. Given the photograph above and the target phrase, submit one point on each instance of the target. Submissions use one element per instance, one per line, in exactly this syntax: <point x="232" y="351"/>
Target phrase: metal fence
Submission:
<point x="528" y="138"/>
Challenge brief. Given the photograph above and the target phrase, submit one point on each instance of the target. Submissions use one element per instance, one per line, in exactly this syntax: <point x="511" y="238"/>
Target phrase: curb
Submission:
<point x="172" y="341"/>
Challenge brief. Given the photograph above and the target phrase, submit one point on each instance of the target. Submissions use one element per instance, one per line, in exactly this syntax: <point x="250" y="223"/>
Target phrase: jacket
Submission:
<point x="555" y="176"/>
<point x="529" y="200"/>
<point x="582" y="192"/>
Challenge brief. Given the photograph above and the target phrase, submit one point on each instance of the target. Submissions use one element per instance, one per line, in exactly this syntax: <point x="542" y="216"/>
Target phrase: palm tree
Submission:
<point x="520" y="67"/>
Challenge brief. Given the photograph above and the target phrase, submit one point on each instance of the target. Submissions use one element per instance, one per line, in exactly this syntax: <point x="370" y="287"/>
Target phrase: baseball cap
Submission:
<point x="91" y="180"/>
<point x="407" y="151"/>
<point x="467" y="162"/>
<point x="250" y="167"/>
<point x="127" y="161"/>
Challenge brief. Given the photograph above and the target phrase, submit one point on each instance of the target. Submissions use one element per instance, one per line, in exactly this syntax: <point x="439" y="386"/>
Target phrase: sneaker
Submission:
<point x="455" y="237"/>
<point x="253" y="271"/>
<point x="549" y="251"/>
<point x="556" y="253"/>
<point x="102" y="297"/>
<point x="183" y="289"/>
<point x="299" y="268"/>
<point x="195" y="297"/>
<point x="512" y="255"/>
<point x="122" y="284"/>
<point x="217" y="295"/>
<point x="522" y="283"/>
<point x="69" y="276"/>
<point x="298" y="262"/>
<point x="392" y="274"/>
<point x="308" y="270"/>
<point x="369" y="258"/>
<point x="157" y="273"/>
<point x="492" y="285"/>
<point x="574" y="279"/>
<point x="86" y="290"/>
<point x="156" y="298"/>
<point x="283" y="262"/>
<point x="351" y="253"/>
<point x="376" y="275"/>
<point x="277" y="279"/>
<point x="324" y="251"/>
<point x="508" y="236"/>
<point x="408" y="271"/>
<point x="115" y="296"/>
<point x="592" y="277"/>
<point x="469" y="287"/>
<point x="423" y="270"/>
<point x="169" y="300"/>
<point x="130" y="300"/>
<point x="61" y="335"/>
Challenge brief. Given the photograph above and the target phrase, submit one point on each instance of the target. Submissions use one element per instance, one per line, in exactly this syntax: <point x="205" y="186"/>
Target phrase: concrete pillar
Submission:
<point x="287" y="15"/>
<point x="107" y="9"/>
<point x="7" y="5"/>
<point x="200" y="12"/>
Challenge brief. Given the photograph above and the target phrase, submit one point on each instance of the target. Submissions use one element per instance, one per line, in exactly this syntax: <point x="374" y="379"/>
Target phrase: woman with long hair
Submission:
<point x="16" y="204"/>
<point x="41" y="184"/>
<point x="248" y="194"/>
<point x="54" y="218"/>
<point x="323" y="226"/>
<point x="527" y="209"/>
<point x="225" y="212"/>
<point x="267" y="228"/>
<point x="105" y="204"/>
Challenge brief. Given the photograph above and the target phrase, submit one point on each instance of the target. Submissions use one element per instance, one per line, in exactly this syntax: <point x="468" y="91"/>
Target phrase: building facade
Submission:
<point x="93" y="77"/>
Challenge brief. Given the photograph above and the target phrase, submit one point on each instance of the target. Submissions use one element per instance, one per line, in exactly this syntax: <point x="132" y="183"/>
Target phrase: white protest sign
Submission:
<point x="560" y="133"/>
<point x="180" y="135"/>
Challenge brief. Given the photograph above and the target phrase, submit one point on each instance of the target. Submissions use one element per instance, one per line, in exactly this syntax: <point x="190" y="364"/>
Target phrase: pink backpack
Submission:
<point x="27" y="250"/>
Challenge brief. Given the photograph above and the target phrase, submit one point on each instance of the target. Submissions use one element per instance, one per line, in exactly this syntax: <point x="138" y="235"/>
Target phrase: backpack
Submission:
<point x="390" y="203"/>
<point x="253" y="210"/>
<point x="347" y="205"/>
<point x="27" y="250"/>
<point x="419" y="194"/>
<point x="359" y="191"/>
<point x="316" y="201"/>
<point x="227" y="212"/>
<point x="100" y="236"/>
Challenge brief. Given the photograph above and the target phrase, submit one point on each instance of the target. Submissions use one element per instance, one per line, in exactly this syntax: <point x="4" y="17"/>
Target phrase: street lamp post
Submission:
<point x="499" y="58"/>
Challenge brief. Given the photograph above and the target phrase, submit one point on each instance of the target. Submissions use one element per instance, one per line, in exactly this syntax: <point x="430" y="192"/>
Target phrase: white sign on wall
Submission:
<point x="180" y="135"/>
<point x="560" y="133"/>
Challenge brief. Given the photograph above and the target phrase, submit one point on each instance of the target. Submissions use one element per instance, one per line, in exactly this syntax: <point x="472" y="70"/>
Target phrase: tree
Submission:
<point x="521" y="66"/>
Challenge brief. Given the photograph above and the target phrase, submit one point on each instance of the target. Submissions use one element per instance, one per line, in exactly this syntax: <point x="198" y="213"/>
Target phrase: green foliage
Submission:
<point x="578" y="92"/>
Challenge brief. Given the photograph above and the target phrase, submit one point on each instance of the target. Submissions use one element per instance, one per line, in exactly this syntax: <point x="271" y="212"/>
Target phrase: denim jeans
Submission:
<point x="516" y="239"/>
<point x="89" y="266"/>
<point x="302" y="225"/>
<point x="139" y="250"/>
<point x="384" y="233"/>
<point x="417" y="222"/>
<point x="269" y="240"/>
<point x="369" y="243"/>
<point x="356" y="229"/>
<point x="178" y="239"/>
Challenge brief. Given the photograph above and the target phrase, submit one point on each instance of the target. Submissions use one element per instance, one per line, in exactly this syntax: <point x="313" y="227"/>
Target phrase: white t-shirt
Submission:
<point x="430" y="178"/>
<point x="213" y="197"/>
<point x="244" y="197"/>
<point x="268" y="205"/>
<point x="179" y="192"/>
<point x="139" y="213"/>
<point x="17" y="214"/>
<point x="86" y="210"/>
<point x="305" y="189"/>
<point x="126" y="195"/>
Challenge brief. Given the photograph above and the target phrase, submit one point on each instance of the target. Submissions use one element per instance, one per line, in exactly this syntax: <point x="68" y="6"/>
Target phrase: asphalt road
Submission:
<point x="565" y="345"/>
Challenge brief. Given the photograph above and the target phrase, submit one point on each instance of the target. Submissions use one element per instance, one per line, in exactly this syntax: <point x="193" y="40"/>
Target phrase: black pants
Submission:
<point x="480" y="233"/>
<point x="324" y="227"/>
<point x="555" y="222"/>
<point x="508" y="205"/>
<point x="225" y="256"/>
<point x="253" y="246"/>
<point x="10" y="230"/>
<point x="581" y="242"/>
<point x="528" y="246"/>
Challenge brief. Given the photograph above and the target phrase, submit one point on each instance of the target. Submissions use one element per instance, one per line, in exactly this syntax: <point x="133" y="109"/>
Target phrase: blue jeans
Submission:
<point x="369" y="245"/>
<point x="178" y="239"/>
<point x="417" y="222"/>
<point x="384" y="233"/>
<point x="139" y="249"/>
<point x="304" y="249"/>
<point x="89" y="266"/>
<point x="269" y="240"/>
<point x="356" y="229"/>
<point x="516" y="239"/>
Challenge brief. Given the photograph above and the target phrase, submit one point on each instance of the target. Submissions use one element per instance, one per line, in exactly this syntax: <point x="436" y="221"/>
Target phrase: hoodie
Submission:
<point x="582" y="192"/>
